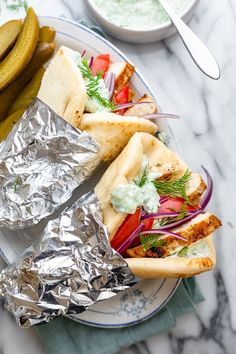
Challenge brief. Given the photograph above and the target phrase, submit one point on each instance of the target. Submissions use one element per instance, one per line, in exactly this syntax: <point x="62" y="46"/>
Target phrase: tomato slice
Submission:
<point x="122" y="97"/>
<point x="175" y="204"/>
<point x="125" y="230"/>
<point x="148" y="224"/>
<point x="101" y="64"/>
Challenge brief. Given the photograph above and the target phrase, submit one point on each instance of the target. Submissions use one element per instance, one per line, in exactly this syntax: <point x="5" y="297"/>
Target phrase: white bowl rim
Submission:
<point x="164" y="26"/>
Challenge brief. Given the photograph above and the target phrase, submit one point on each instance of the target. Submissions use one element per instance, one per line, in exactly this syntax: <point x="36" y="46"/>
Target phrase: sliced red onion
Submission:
<point x="209" y="190"/>
<point x="128" y="242"/>
<point x="83" y="53"/>
<point x="109" y="79"/>
<point x="164" y="232"/>
<point x="112" y="85"/>
<point x="127" y="105"/>
<point x="183" y="221"/>
<point x="91" y="62"/>
<point x="143" y="212"/>
<point x="163" y="199"/>
<point x="163" y="215"/>
<point x="161" y="115"/>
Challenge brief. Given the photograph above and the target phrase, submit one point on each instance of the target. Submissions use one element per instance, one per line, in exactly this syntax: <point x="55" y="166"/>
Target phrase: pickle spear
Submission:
<point x="47" y="34"/>
<point x="8" y="35"/>
<point x="28" y="94"/>
<point x="7" y="125"/>
<point x="42" y="54"/>
<point x="22" y="52"/>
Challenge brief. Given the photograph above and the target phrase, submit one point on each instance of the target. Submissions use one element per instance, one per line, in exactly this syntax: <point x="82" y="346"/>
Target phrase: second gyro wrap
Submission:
<point x="72" y="268"/>
<point x="42" y="162"/>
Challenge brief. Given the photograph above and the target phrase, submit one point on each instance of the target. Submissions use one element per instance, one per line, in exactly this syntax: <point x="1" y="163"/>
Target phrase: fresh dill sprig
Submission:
<point x="143" y="178"/>
<point x="174" y="187"/>
<point x="149" y="241"/>
<point x="182" y="213"/>
<point x="92" y="85"/>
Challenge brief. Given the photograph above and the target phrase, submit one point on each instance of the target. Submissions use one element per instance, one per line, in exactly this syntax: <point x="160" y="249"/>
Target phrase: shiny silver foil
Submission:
<point x="71" y="268"/>
<point x="43" y="160"/>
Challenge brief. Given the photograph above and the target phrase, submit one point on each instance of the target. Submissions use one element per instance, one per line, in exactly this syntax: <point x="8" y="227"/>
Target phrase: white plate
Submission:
<point x="149" y="296"/>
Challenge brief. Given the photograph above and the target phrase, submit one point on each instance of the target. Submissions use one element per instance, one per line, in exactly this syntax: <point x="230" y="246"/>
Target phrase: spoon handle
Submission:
<point x="200" y="54"/>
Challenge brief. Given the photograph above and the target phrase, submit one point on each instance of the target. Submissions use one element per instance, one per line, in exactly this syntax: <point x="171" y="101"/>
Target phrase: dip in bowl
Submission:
<point x="137" y="21"/>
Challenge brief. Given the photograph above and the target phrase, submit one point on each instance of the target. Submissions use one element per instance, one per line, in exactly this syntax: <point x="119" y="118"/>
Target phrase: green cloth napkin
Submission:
<point x="64" y="336"/>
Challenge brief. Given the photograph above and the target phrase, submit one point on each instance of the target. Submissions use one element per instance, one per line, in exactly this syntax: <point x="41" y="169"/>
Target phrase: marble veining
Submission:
<point x="207" y="129"/>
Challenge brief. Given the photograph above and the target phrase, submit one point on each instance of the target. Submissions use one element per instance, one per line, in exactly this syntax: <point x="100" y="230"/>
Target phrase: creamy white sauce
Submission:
<point x="92" y="105"/>
<point x="126" y="198"/>
<point x="138" y="14"/>
<point x="197" y="249"/>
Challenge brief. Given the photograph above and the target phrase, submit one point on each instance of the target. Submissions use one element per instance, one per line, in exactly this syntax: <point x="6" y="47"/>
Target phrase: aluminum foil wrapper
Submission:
<point x="72" y="268"/>
<point x="43" y="160"/>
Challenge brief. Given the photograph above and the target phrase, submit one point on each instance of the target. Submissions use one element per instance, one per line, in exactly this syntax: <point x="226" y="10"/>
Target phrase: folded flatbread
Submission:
<point x="63" y="89"/>
<point x="161" y="159"/>
<point x="175" y="266"/>
<point x="113" y="131"/>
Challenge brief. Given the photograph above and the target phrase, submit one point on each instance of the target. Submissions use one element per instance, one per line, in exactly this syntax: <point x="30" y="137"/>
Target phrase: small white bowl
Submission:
<point x="146" y="36"/>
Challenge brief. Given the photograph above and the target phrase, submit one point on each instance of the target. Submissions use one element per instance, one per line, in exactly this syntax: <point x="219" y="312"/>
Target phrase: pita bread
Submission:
<point x="123" y="170"/>
<point x="173" y="267"/>
<point x="63" y="87"/>
<point x="128" y="165"/>
<point x="113" y="131"/>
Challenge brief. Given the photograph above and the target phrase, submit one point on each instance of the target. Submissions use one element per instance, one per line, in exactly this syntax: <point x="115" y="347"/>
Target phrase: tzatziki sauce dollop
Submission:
<point x="126" y="198"/>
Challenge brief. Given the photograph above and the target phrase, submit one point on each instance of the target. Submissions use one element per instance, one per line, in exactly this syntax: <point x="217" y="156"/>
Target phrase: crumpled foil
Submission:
<point x="43" y="160"/>
<point x="72" y="268"/>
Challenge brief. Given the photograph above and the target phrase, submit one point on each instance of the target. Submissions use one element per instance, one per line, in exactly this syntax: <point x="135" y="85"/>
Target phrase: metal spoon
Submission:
<point x="198" y="51"/>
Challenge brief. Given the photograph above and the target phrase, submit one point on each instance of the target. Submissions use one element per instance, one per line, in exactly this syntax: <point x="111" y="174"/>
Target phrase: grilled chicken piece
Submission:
<point x="142" y="109"/>
<point x="123" y="72"/>
<point x="195" y="188"/>
<point x="198" y="228"/>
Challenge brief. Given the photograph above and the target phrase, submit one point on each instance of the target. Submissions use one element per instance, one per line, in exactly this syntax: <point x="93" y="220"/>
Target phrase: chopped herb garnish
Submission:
<point x="16" y="183"/>
<point x="149" y="241"/>
<point x="183" y="212"/>
<point x="92" y="85"/>
<point x="174" y="187"/>
<point x="143" y="178"/>
<point x="173" y="210"/>
<point x="183" y="252"/>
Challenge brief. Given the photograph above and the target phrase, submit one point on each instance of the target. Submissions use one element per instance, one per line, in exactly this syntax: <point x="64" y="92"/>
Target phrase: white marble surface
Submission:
<point x="207" y="136"/>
